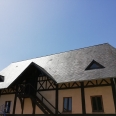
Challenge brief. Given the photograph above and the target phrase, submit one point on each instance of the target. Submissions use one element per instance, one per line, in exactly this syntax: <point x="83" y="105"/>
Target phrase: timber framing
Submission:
<point x="53" y="86"/>
<point x="59" y="115"/>
<point x="113" y="85"/>
<point x="18" y="89"/>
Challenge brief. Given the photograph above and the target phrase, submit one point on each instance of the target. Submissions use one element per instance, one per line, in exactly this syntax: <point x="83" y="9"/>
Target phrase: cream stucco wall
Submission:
<point x="9" y="97"/>
<point x="28" y="109"/>
<point x="76" y="100"/>
<point x="38" y="110"/>
<point x="105" y="91"/>
<point x="50" y="96"/>
<point x="74" y="93"/>
<point x="107" y="97"/>
<point x="18" y="109"/>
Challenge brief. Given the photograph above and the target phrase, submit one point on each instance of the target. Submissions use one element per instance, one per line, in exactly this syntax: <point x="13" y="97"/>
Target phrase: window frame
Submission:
<point x="93" y="110"/>
<point x="1" y="78"/>
<point x="67" y="110"/>
<point x="92" y="67"/>
<point x="8" y="106"/>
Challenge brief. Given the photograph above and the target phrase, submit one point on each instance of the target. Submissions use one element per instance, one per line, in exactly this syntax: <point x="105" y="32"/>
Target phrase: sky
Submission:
<point x="35" y="28"/>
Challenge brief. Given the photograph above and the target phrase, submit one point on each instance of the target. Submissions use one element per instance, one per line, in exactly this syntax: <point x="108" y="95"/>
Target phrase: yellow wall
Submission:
<point x="9" y="97"/>
<point x="38" y="110"/>
<point x="76" y="100"/>
<point x="18" y="109"/>
<point x="50" y="96"/>
<point x="105" y="91"/>
<point x="107" y="97"/>
<point x="28" y="109"/>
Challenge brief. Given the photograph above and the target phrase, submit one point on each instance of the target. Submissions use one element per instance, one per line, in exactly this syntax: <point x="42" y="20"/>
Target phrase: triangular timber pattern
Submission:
<point x="94" y="65"/>
<point x="45" y="83"/>
<point x="25" y="86"/>
<point x="96" y="83"/>
<point x="38" y="99"/>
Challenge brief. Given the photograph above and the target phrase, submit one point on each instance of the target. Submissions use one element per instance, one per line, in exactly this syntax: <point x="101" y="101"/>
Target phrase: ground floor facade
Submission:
<point x="87" y="100"/>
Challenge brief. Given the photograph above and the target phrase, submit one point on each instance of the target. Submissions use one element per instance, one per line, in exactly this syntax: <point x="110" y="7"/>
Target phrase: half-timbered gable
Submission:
<point x="79" y="82"/>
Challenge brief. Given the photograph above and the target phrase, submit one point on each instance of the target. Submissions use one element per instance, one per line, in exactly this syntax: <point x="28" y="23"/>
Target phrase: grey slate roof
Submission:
<point x="69" y="66"/>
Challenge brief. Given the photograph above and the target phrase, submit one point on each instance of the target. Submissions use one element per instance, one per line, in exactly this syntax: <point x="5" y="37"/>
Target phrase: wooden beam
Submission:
<point x="83" y="98"/>
<point x="56" y="111"/>
<point x="23" y="105"/>
<point x="113" y="85"/>
<point x="89" y="86"/>
<point x="14" y="106"/>
<point x="33" y="105"/>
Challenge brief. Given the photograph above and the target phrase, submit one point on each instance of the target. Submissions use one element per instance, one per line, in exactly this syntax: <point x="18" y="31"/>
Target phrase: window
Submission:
<point x="7" y="106"/>
<point x="97" y="104"/>
<point x="67" y="104"/>
<point x="94" y="65"/>
<point x="1" y="78"/>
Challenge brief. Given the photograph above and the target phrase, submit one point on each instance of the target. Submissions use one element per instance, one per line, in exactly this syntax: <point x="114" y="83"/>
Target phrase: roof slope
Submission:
<point x="69" y="66"/>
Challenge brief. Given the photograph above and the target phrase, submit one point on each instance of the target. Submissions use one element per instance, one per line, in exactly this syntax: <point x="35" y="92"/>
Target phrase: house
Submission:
<point x="80" y="82"/>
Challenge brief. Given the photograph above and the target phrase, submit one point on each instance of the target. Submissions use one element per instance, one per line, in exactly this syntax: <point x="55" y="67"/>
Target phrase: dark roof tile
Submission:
<point x="69" y="66"/>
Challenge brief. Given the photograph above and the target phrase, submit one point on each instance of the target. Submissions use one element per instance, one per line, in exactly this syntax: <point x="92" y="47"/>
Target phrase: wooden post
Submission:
<point x="113" y="85"/>
<point x="23" y="105"/>
<point x="15" y="99"/>
<point x="83" y="98"/>
<point x="56" y="111"/>
<point x="14" y="106"/>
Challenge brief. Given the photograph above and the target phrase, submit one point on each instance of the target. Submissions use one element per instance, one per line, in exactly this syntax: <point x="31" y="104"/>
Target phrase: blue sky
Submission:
<point x="34" y="28"/>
